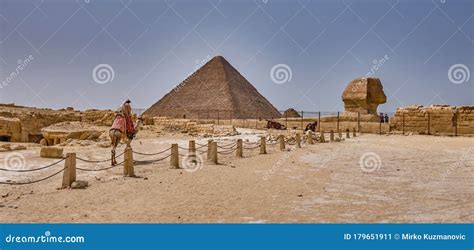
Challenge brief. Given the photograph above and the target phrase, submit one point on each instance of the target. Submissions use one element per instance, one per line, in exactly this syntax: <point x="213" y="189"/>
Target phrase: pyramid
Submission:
<point x="216" y="90"/>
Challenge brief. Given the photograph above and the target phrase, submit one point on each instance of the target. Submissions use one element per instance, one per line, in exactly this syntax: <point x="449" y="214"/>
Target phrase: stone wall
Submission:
<point x="436" y="120"/>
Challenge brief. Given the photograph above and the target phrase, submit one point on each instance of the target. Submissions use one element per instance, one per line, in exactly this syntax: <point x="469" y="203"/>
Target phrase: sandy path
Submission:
<point x="418" y="179"/>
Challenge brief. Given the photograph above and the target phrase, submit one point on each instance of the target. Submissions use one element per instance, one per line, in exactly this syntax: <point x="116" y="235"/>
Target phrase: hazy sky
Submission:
<point x="147" y="47"/>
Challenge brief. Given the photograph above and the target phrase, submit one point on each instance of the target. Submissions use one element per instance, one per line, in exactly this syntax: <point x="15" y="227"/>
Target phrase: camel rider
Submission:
<point x="127" y="112"/>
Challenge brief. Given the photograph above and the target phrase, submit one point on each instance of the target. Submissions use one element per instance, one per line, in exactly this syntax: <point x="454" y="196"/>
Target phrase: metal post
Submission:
<point x="403" y="123"/>
<point x="358" y="121"/>
<point x="302" y="118"/>
<point x="319" y="121"/>
<point x="429" y="118"/>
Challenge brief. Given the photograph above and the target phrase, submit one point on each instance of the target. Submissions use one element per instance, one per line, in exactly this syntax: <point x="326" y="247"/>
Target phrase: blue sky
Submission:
<point x="151" y="46"/>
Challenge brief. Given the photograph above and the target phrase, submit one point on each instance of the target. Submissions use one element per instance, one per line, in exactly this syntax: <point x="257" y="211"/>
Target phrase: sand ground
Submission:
<point x="369" y="178"/>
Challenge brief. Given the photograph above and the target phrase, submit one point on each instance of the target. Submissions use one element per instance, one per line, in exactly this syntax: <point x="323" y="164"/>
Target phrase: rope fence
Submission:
<point x="213" y="150"/>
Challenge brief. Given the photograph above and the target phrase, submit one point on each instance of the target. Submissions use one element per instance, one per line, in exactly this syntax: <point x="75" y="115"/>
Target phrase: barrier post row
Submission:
<point x="128" y="163"/>
<point x="298" y="140"/>
<point x="263" y="146"/>
<point x="239" y="152"/>
<point x="174" y="159"/>
<point x="69" y="174"/>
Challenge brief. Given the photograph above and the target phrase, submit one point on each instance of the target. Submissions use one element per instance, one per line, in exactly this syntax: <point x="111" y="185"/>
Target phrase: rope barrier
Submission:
<point x="31" y="182"/>
<point x="227" y="152"/>
<point x="252" y="147"/>
<point x="151" y="161"/>
<point x="98" y="161"/>
<point x="100" y="169"/>
<point x="224" y="147"/>
<point x="138" y="153"/>
<point x="31" y="170"/>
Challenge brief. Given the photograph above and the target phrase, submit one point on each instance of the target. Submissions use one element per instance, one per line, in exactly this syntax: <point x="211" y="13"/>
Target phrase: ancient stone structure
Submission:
<point x="60" y="132"/>
<point x="437" y="119"/>
<point x="291" y="113"/>
<point x="363" y="95"/>
<point x="216" y="86"/>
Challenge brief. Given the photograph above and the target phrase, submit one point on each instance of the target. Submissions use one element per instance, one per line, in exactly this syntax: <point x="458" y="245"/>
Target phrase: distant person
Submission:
<point x="311" y="126"/>
<point x="386" y="118"/>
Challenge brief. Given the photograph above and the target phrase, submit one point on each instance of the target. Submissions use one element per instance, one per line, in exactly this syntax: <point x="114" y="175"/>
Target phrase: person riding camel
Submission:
<point x="127" y="112"/>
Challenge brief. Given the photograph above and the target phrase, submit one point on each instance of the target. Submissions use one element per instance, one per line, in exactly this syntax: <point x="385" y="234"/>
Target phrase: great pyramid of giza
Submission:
<point x="216" y="89"/>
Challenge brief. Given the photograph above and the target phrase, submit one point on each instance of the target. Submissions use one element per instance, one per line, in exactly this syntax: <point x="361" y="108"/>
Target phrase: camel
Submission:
<point x="116" y="136"/>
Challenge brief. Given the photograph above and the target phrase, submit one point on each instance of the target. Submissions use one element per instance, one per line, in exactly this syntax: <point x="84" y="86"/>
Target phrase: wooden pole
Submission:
<point x="240" y="152"/>
<point x="348" y="134"/>
<point x="263" y="145"/>
<point x="354" y="133"/>
<point x="69" y="173"/>
<point x="209" y="148"/>
<point x="322" y="137"/>
<point x="302" y="118"/>
<point x="282" y="142"/>
<point x="128" y="163"/>
<point x="331" y="135"/>
<point x="192" y="151"/>
<point x="174" y="160"/>
<point x="298" y="140"/>
<point x="214" y="152"/>
<point x="309" y="137"/>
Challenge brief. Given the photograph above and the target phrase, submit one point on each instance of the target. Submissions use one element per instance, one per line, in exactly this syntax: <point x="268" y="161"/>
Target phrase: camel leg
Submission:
<point x="114" y="143"/>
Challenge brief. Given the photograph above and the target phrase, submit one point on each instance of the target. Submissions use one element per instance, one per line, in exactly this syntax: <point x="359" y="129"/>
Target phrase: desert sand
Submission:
<point x="418" y="179"/>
